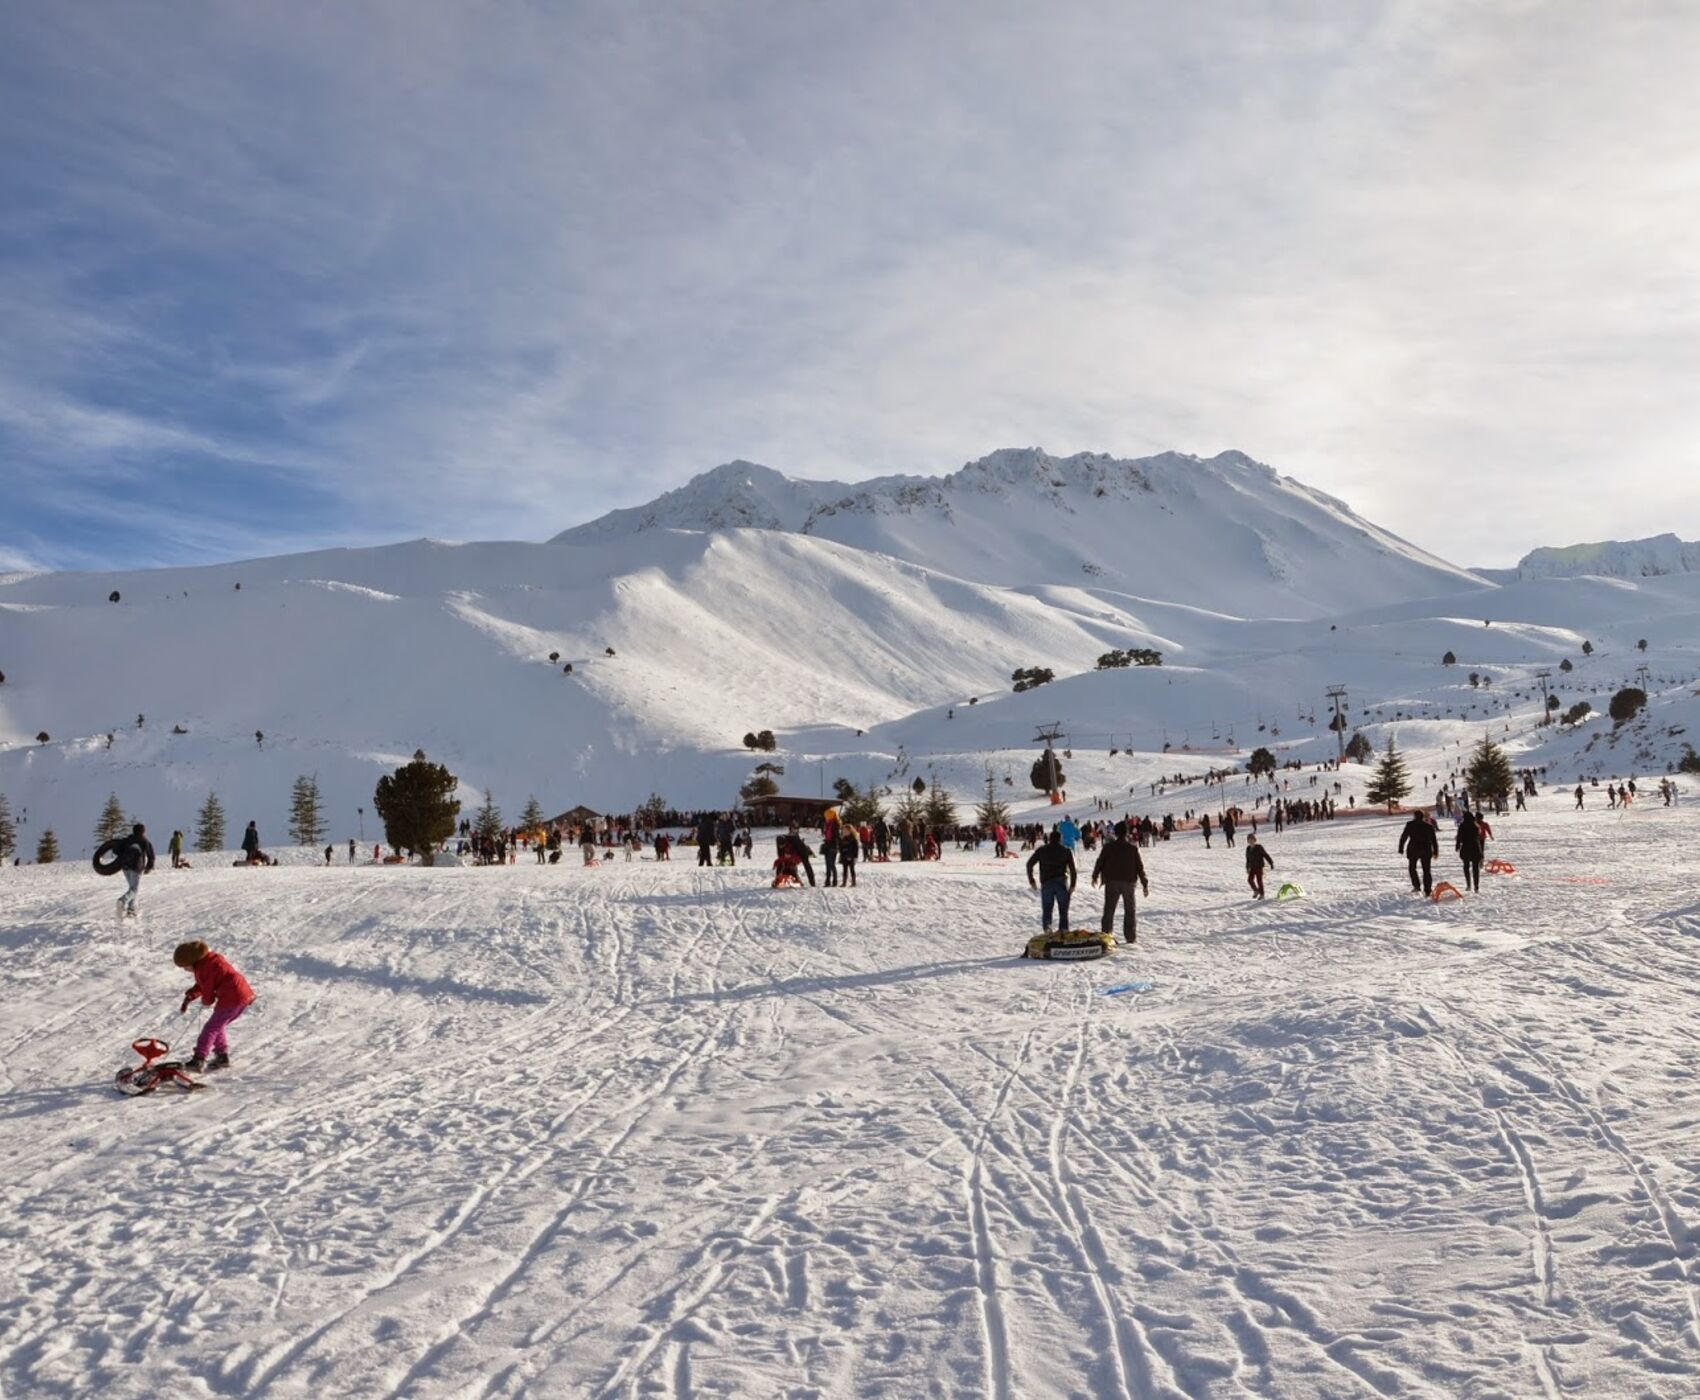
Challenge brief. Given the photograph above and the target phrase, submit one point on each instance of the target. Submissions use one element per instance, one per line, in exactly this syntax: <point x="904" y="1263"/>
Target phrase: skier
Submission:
<point x="1118" y="866"/>
<point x="1056" y="882"/>
<point x="135" y="859"/>
<point x="1256" y="859"/>
<point x="1419" y="843"/>
<point x="220" y="986"/>
<point x="1472" y="833"/>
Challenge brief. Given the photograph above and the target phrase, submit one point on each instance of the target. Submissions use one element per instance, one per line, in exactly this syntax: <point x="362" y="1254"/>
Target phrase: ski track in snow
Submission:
<point x="654" y="1130"/>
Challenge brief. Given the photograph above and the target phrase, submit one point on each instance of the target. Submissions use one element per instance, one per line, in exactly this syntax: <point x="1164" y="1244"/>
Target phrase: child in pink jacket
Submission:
<point x="220" y="986"/>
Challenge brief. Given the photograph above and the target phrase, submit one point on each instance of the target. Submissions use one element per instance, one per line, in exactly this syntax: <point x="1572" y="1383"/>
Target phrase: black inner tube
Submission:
<point x="103" y="866"/>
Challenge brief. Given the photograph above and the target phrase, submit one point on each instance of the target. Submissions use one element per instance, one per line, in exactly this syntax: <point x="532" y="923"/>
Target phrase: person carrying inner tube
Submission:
<point x="135" y="859"/>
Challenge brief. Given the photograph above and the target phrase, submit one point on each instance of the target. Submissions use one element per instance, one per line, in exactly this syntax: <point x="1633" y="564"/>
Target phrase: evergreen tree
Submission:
<point x="488" y="823"/>
<point x="532" y="817"/>
<point x="1626" y="704"/>
<point x="911" y="809"/>
<point x="1391" y="781"/>
<point x="112" y="823"/>
<point x="654" y="809"/>
<point x="8" y="832"/>
<point x="418" y="807"/>
<point x="1261" y="762"/>
<point x="46" y="849"/>
<point x="941" y="808"/>
<point x="306" y="820"/>
<point x="992" y="812"/>
<point x="1047" y="769"/>
<point x="1359" y="749"/>
<point x="209" y="825"/>
<point x="1489" y="774"/>
<point x="856" y="805"/>
<point x="759" y="787"/>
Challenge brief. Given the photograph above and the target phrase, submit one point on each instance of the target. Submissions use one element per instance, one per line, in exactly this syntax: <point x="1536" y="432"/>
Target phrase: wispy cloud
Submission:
<point x="306" y="273"/>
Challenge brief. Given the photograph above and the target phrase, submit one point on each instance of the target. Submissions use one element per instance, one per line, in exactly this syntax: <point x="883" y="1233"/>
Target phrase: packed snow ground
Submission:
<point x="646" y="1129"/>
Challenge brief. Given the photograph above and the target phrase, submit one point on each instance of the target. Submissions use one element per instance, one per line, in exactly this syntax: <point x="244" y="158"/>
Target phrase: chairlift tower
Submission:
<point x="1337" y="693"/>
<point x="1543" y="677"/>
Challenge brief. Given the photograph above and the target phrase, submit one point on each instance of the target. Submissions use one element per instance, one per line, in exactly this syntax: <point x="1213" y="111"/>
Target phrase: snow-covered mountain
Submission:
<point x="1225" y="533"/>
<point x="875" y="633"/>
<point x="1648" y="558"/>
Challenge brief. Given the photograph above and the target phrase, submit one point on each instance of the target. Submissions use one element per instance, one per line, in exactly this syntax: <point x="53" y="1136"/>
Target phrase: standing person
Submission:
<point x="251" y="845"/>
<point x="351" y="850"/>
<point x="1056" y="880"/>
<point x="1119" y="866"/>
<point x="135" y="859"/>
<point x="847" y="851"/>
<point x="705" y="840"/>
<point x="329" y="852"/>
<point x="587" y="844"/>
<point x="829" y="847"/>
<point x="724" y="831"/>
<point x="793" y="840"/>
<point x="1472" y="835"/>
<point x="1204" y="826"/>
<point x="220" y="986"/>
<point x="1070" y="832"/>
<point x="1578" y="797"/>
<point x="1419" y="843"/>
<point x="176" y="848"/>
<point x="1228" y="827"/>
<point x="1256" y="861"/>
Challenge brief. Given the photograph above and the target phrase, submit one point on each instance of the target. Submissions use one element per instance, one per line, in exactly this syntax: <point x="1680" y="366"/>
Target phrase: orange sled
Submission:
<point x="1444" y="891"/>
<point x="1500" y="867"/>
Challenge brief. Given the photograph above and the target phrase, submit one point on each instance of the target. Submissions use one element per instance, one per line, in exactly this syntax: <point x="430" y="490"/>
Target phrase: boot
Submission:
<point x="220" y="1060"/>
<point x="194" y="1064"/>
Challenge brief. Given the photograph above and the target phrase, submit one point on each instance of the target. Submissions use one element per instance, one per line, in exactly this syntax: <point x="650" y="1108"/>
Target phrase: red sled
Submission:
<point x="148" y="1076"/>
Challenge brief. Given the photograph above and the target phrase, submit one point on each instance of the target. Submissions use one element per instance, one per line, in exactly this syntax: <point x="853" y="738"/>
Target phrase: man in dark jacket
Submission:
<point x="251" y="845"/>
<point x="1472" y="835"/>
<point x="1419" y="844"/>
<point x="705" y="840"/>
<point x="1228" y="827"/>
<point x="1256" y="859"/>
<point x="1056" y="880"/>
<point x="1118" y="868"/>
<point x="135" y="859"/>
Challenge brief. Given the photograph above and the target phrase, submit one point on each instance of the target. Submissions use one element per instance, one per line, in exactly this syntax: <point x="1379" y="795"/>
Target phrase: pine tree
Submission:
<point x="911" y="809"/>
<point x="112" y="823"/>
<point x="306" y="819"/>
<point x="992" y="812"/>
<point x="417" y="806"/>
<point x="488" y="823"/>
<point x="46" y="849"/>
<point x="1489" y="774"/>
<point x="209" y="825"/>
<point x="1391" y="781"/>
<point x="941" y="808"/>
<point x="8" y="832"/>
<point x="532" y="817"/>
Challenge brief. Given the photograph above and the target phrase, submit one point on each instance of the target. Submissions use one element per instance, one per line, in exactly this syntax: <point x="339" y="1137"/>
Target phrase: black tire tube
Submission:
<point x="109" y="848"/>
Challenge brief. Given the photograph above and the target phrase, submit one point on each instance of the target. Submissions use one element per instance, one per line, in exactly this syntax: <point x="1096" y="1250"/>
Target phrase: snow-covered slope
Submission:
<point x="1648" y="558"/>
<point x="1227" y="533"/>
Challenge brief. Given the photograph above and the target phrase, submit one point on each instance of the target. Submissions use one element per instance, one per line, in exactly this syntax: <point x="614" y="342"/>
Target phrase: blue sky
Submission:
<point x="281" y="276"/>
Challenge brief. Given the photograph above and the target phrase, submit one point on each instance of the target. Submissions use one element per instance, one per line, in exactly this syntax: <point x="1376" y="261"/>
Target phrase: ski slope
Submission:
<point x="649" y="1130"/>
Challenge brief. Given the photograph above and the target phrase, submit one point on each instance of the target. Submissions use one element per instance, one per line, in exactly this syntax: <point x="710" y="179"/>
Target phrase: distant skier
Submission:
<point x="135" y="859"/>
<point x="1118" y="867"/>
<point x="1256" y="861"/>
<point x="1419" y="843"/>
<point x="1472" y="836"/>
<point x="220" y="986"/>
<point x="1056" y="880"/>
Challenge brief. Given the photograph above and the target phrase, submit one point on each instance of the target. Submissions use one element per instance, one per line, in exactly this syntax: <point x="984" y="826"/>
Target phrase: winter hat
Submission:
<point x="190" y="953"/>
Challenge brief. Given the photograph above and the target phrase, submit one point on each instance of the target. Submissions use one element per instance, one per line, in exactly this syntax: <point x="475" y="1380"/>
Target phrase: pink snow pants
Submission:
<point x="212" y="1035"/>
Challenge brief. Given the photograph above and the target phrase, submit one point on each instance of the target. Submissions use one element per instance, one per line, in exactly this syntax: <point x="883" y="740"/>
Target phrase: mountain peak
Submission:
<point x="1653" y="557"/>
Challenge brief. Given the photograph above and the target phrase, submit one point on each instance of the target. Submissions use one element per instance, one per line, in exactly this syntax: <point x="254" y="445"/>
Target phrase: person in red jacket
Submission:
<point x="220" y="986"/>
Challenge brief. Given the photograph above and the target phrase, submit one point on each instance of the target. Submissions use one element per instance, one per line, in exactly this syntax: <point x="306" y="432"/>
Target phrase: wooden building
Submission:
<point x="782" y="811"/>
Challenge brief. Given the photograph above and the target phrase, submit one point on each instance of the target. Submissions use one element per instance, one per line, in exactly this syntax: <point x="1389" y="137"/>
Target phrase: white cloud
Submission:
<point x="1436" y="258"/>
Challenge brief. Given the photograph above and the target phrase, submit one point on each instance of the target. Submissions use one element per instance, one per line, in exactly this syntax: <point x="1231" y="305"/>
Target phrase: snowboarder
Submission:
<point x="1419" y="843"/>
<point x="1056" y="882"/>
<point x="1256" y="860"/>
<point x="220" y="986"/>
<point x="1118" y="866"/>
<point x="135" y="859"/>
<point x="1472" y="835"/>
